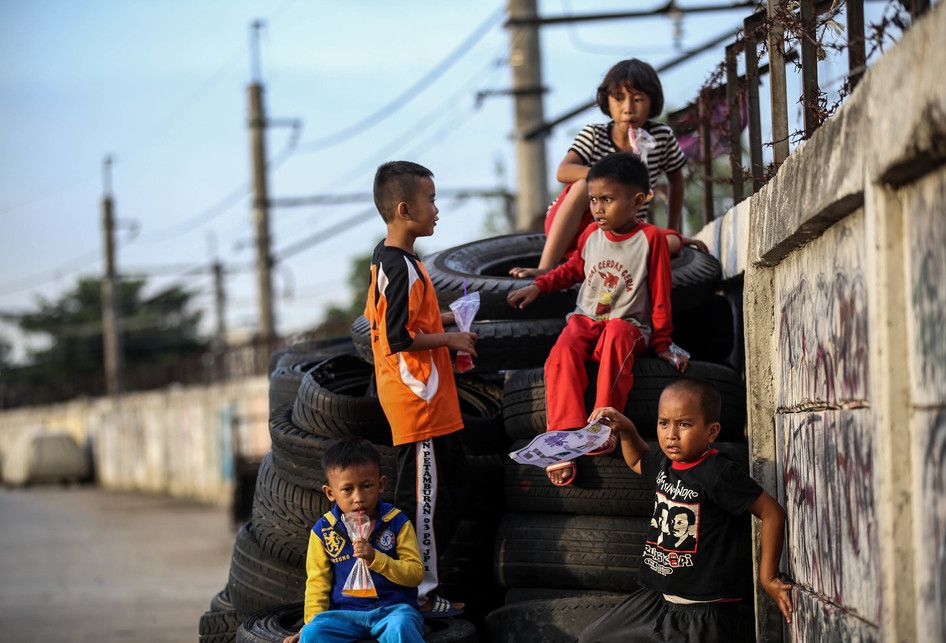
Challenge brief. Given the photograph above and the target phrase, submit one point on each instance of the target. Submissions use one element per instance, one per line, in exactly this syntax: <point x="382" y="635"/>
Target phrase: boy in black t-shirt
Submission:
<point x="689" y="572"/>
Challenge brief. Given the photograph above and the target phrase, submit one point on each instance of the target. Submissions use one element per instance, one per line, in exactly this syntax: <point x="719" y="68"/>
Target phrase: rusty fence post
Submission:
<point x="706" y="145"/>
<point x="751" y="24"/>
<point x="735" y="123"/>
<point x="856" y="55"/>
<point x="778" y="93"/>
<point x="809" y="66"/>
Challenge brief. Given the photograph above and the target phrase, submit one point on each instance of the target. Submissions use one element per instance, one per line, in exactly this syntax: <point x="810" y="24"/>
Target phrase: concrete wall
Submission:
<point x="178" y="440"/>
<point x="845" y="315"/>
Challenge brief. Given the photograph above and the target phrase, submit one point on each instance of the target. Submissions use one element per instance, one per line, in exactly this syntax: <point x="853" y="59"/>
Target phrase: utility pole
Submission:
<point x="257" y="125"/>
<point x="526" y="63"/>
<point x="111" y="335"/>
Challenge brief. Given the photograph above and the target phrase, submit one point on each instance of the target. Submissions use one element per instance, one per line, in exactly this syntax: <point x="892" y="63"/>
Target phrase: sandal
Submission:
<point x="439" y="607"/>
<point x="561" y="466"/>
<point x="607" y="447"/>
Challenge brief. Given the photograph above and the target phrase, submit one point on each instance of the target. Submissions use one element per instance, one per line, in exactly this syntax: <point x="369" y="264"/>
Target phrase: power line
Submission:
<point x="410" y="93"/>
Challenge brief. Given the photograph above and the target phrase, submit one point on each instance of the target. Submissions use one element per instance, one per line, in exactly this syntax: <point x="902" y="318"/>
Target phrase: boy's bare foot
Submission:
<point x="561" y="474"/>
<point x="527" y="273"/>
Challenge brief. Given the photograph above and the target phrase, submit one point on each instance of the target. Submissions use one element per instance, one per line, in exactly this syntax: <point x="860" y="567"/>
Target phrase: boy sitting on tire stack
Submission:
<point x="623" y="305"/>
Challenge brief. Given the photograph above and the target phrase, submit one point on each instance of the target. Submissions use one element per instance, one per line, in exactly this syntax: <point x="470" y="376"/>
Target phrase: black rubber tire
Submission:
<point x="274" y="624"/>
<point x="284" y="513"/>
<point x="604" y="485"/>
<point x="502" y="345"/>
<point x="550" y="621"/>
<point x="221" y="601"/>
<point x="524" y="398"/>
<point x="482" y="411"/>
<point x="694" y="276"/>
<point x="522" y="594"/>
<point x="580" y="552"/>
<point x="707" y="332"/>
<point x="218" y="626"/>
<point x="484" y="266"/>
<point x="257" y="580"/>
<point x="297" y="454"/>
<point x="320" y="347"/>
<point x="333" y="402"/>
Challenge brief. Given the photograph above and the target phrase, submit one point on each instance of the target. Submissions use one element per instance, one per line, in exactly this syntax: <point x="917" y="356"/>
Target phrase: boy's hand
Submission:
<point x="362" y="549"/>
<point x="781" y="593"/>
<point x="522" y="297"/>
<point x="448" y="318"/>
<point x="678" y="361"/>
<point x="610" y="416"/>
<point x="291" y="639"/>
<point x="527" y="273"/>
<point x="461" y="341"/>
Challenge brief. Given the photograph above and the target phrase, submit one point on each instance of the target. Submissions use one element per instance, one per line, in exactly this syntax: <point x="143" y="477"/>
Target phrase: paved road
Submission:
<point x="85" y="565"/>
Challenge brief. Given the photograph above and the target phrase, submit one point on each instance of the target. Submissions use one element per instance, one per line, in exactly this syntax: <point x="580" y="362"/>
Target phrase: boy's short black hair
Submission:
<point x="636" y="74"/>
<point x="708" y="397"/>
<point x="394" y="182"/>
<point x="624" y="167"/>
<point x="350" y="452"/>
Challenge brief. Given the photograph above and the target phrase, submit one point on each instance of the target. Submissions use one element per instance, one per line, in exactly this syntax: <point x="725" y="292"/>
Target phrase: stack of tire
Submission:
<point x="557" y="557"/>
<point x="319" y="392"/>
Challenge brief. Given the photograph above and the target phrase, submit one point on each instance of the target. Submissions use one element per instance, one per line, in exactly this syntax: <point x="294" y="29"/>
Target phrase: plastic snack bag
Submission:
<point x="642" y="143"/>
<point x="678" y="354"/>
<point x="464" y="310"/>
<point x="359" y="581"/>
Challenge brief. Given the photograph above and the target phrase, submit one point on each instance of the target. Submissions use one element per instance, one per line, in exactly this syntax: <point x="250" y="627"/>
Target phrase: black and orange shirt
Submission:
<point x="416" y="388"/>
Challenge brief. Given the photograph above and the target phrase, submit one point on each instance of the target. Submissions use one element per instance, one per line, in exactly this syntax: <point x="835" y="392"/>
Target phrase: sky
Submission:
<point x="161" y="86"/>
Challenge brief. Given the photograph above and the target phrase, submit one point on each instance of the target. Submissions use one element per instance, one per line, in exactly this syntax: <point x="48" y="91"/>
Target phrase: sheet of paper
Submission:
<point x="559" y="446"/>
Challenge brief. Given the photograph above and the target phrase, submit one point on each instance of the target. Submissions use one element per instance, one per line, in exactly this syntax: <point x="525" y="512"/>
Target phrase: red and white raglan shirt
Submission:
<point x="700" y="514"/>
<point x="416" y="388"/>
<point x="622" y="276"/>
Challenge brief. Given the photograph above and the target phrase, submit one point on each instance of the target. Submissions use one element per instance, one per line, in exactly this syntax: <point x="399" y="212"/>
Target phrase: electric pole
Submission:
<point x="257" y="125"/>
<point x="111" y="335"/>
<point x="525" y="60"/>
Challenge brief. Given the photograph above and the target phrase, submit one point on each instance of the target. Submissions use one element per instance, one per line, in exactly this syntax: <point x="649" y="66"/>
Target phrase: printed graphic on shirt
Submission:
<point x="604" y="280"/>
<point x="386" y="540"/>
<point x="334" y="543"/>
<point x="675" y="526"/>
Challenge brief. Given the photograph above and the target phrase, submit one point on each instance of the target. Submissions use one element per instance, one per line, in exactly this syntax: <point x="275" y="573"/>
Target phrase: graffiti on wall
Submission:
<point x="926" y="248"/>
<point x="822" y="324"/>
<point x="829" y="497"/>
<point x="929" y="524"/>
<point x="817" y="621"/>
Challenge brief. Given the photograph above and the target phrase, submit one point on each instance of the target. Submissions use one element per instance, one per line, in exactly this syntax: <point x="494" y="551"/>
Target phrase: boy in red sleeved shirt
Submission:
<point x="623" y="304"/>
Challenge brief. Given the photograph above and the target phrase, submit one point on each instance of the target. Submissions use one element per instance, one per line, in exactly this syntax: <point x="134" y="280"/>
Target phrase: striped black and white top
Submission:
<point x="594" y="142"/>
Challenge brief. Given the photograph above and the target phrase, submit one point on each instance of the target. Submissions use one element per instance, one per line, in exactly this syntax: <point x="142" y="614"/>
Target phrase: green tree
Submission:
<point x="159" y="337"/>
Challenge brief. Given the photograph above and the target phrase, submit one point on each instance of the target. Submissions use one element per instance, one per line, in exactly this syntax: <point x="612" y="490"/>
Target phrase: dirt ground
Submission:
<point x="85" y="565"/>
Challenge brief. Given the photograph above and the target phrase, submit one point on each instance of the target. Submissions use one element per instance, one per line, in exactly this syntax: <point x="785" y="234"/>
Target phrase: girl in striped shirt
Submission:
<point x="632" y="96"/>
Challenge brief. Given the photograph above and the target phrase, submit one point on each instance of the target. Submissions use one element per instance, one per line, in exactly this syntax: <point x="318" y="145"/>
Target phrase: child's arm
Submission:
<point x="406" y="570"/>
<point x="572" y="168"/>
<point x="675" y="201"/>
<point x="318" y="582"/>
<point x="766" y="509"/>
<point x="633" y="446"/>
<point x="568" y="274"/>
<point x="658" y="283"/>
<point x="458" y="341"/>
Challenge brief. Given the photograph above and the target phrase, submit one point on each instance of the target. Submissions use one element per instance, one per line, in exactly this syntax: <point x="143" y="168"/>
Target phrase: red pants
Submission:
<point x="613" y="344"/>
